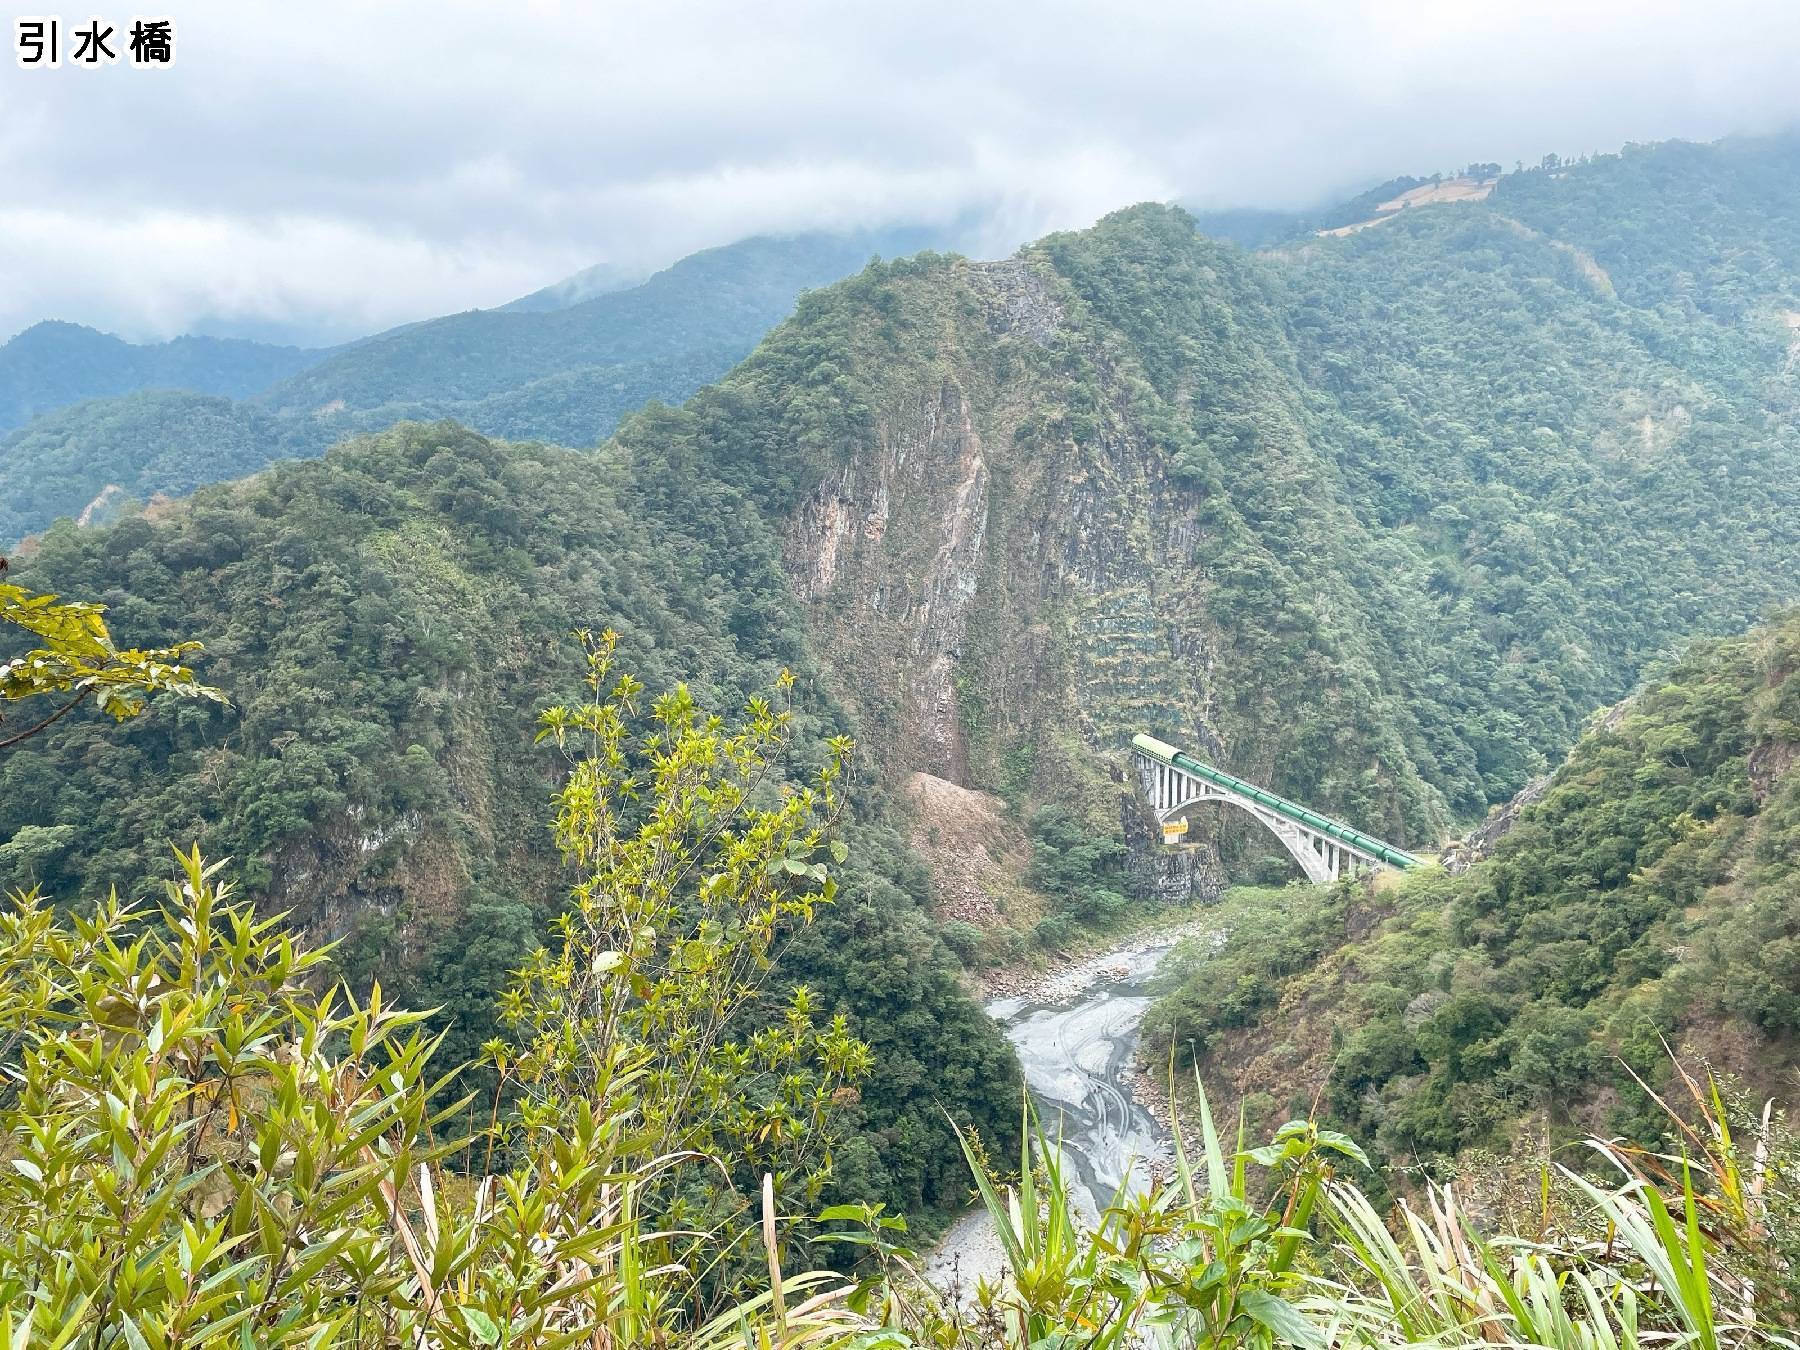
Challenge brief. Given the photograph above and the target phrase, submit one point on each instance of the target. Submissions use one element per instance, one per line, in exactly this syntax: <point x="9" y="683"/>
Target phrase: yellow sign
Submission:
<point x="1173" y="830"/>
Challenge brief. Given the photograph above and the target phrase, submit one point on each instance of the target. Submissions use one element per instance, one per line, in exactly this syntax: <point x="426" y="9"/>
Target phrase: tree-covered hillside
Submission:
<point x="1377" y="521"/>
<point x="1679" y="229"/>
<point x="51" y="365"/>
<point x="1565" y="492"/>
<point x="1648" y="901"/>
<point x="564" y="373"/>
<point x="387" y="621"/>
<point x="139" y="444"/>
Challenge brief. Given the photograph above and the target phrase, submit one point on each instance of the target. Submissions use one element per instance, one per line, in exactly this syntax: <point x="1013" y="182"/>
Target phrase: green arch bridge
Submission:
<point x="1175" y="782"/>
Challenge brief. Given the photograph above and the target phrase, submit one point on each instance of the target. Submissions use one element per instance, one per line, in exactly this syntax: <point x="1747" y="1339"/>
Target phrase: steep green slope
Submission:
<point x="386" y="621"/>
<point x="979" y="495"/>
<point x="1677" y="228"/>
<point x="51" y="365"/>
<point x="1652" y="894"/>
<point x="1550" y="472"/>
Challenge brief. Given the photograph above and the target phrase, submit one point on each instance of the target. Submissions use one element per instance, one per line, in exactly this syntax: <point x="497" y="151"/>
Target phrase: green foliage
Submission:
<point x="108" y="453"/>
<point x="1683" y="230"/>
<point x="28" y="850"/>
<point x="654" y="1000"/>
<point x="389" y="620"/>
<point x="1541" y="467"/>
<point x="205" y="1150"/>
<point x="1272" y="1246"/>
<point x="79" y="662"/>
<point x="200" y="1152"/>
<point x="877" y="957"/>
<point x="1083" y="873"/>
<point x="1208" y="1261"/>
<point x="1650" y="891"/>
<point x="1232" y="980"/>
<point x="1400" y="509"/>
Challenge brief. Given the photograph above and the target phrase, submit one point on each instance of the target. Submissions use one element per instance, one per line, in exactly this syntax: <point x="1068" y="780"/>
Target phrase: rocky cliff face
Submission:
<point x="1009" y="573"/>
<point x="1000" y="607"/>
<point x="894" y="542"/>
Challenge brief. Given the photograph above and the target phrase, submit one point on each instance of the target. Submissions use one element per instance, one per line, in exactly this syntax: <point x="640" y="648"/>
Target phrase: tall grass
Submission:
<point x="1275" y="1245"/>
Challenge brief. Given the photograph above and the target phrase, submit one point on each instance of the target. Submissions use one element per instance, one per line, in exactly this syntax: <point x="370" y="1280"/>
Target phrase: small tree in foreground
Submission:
<point x="78" y="661"/>
<point x="201" y="1148"/>
<point x="694" y="859"/>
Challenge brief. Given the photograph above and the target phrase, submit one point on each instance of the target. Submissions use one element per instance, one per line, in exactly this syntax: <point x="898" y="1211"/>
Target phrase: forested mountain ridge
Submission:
<point x="599" y="279"/>
<point x="1308" y="513"/>
<point x="387" y="621"/>
<point x="558" y="372"/>
<point x="716" y="301"/>
<point x="1376" y="520"/>
<point x="129" y="448"/>
<point x="1645" y="903"/>
<point x="51" y="365"/>
<point x="981" y="478"/>
<point x="1677" y="227"/>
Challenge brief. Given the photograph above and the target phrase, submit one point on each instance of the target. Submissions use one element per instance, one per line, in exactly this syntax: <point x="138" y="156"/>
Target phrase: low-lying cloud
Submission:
<point x="334" y="168"/>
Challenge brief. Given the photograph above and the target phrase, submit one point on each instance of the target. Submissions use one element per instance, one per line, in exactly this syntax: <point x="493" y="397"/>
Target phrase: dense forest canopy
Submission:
<point x="386" y="622"/>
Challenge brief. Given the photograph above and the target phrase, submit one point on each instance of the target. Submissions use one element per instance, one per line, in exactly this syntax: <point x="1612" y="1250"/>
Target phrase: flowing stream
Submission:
<point x="1075" y="1038"/>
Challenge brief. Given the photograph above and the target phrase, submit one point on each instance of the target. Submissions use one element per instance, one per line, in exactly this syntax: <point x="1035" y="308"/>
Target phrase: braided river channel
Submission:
<point x="1076" y="1037"/>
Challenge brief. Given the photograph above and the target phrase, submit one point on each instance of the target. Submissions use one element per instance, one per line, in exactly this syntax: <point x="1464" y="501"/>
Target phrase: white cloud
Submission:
<point x="162" y="271"/>
<point x="341" y="166"/>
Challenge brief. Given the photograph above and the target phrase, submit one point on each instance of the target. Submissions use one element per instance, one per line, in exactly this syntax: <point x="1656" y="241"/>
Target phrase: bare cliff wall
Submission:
<point x="1009" y="572"/>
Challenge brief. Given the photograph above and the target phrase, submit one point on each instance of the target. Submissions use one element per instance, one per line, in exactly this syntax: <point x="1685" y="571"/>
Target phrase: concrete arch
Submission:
<point x="1320" y="864"/>
<point x="1325" y="849"/>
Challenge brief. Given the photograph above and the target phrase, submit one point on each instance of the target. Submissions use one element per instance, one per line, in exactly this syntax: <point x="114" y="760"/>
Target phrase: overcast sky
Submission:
<point x="328" y="168"/>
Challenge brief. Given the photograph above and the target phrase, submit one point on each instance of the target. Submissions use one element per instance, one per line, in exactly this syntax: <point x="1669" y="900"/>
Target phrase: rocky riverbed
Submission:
<point x="1076" y="1034"/>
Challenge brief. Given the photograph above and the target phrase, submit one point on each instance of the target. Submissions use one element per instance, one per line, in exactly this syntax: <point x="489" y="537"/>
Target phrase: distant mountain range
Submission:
<point x="51" y="365"/>
<point x="102" y="416"/>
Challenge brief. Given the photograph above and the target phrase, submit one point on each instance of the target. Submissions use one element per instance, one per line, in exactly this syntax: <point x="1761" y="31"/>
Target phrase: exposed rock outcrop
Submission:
<point x="1011" y="570"/>
<point x="1480" y="842"/>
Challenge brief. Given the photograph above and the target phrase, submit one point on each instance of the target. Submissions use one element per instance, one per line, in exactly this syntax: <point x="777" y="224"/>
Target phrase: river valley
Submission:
<point x="1076" y="1036"/>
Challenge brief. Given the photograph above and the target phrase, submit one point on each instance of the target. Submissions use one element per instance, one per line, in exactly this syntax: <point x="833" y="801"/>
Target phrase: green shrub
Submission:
<point x="964" y="938"/>
<point x="209" y="1143"/>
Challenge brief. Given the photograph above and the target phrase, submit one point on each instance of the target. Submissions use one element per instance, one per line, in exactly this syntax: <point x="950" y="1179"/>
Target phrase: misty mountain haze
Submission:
<point x="273" y="183"/>
<point x="552" y="366"/>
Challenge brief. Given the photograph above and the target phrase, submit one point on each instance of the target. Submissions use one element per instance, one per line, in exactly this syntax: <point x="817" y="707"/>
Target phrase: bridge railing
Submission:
<point x="1163" y="753"/>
